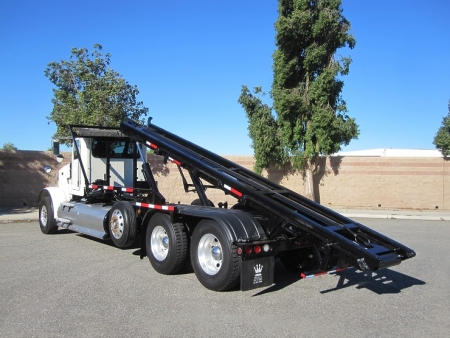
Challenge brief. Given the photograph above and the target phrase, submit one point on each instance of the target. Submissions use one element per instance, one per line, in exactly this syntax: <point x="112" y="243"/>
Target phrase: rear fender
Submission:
<point x="239" y="226"/>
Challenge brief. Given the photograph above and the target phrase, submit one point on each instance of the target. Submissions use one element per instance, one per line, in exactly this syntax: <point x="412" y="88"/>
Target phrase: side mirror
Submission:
<point x="55" y="150"/>
<point x="55" y="147"/>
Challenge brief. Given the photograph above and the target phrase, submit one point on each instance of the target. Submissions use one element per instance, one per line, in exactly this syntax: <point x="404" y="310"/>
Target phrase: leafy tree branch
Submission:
<point x="88" y="92"/>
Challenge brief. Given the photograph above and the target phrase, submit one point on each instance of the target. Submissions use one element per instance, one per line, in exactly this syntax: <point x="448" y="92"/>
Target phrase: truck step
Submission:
<point x="63" y="222"/>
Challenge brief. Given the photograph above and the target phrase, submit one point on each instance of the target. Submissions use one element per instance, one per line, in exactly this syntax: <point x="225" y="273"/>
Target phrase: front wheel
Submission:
<point x="46" y="218"/>
<point x="166" y="244"/>
<point x="214" y="258"/>
<point x="122" y="224"/>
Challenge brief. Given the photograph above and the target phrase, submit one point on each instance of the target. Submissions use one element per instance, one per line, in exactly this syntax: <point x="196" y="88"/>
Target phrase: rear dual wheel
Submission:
<point x="166" y="244"/>
<point x="214" y="258"/>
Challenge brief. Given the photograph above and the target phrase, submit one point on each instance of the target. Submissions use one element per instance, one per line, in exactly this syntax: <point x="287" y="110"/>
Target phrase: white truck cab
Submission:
<point x="102" y="158"/>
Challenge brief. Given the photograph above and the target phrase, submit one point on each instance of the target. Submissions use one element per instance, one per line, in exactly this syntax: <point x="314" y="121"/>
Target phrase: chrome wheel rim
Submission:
<point x="159" y="243"/>
<point x="116" y="224"/>
<point x="44" y="216"/>
<point x="210" y="254"/>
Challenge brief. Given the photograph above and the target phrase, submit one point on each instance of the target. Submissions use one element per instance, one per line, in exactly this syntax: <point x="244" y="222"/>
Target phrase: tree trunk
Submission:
<point x="309" y="182"/>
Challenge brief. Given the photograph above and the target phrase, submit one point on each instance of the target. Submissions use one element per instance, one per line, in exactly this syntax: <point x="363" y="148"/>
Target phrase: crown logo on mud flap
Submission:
<point x="258" y="268"/>
<point x="258" y="276"/>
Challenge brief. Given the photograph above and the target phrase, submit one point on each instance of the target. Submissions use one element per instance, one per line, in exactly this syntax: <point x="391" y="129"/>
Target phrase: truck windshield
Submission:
<point x="112" y="148"/>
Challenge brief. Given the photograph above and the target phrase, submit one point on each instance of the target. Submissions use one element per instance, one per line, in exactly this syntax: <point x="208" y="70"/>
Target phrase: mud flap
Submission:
<point x="257" y="273"/>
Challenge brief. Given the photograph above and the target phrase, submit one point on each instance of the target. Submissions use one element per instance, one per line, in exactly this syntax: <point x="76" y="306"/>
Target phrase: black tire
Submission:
<point x="122" y="224"/>
<point x="167" y="244"/>
<point x="214" y="258"/>
<point x="199" y="202"/>
<point x="46" y="218"/>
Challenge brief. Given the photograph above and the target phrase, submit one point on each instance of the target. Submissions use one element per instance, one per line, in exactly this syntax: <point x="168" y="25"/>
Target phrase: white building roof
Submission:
<point x="390" y="152"/>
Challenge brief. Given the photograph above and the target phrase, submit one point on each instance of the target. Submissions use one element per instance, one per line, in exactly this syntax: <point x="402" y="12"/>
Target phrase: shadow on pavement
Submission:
<point x="22" y="211"/>
<point x="282" y="278"/>
<point x="109" y="242"/>
<point x="384" y="281"/>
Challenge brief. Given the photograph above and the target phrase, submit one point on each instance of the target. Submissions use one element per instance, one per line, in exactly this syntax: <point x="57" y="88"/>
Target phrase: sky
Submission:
<point x="189" y="60"/>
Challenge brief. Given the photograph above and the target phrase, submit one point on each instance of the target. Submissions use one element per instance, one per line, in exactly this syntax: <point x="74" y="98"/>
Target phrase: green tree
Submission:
<point x="310" y="117"/>
<point x="263" y="130"/>
<point x="89" y="92"/>
<point x="442" y="137"/>
<point x="9" y="146"/>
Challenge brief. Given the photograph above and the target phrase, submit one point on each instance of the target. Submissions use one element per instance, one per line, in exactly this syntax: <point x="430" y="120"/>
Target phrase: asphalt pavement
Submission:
<point x="70" y="285"/>
<point x="32" y="214"/>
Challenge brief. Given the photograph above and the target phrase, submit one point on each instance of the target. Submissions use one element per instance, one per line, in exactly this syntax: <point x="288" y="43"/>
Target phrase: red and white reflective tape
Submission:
<point x="234" y="191"/>
<point x="303" y="275"/>
<point x="154" y="206"/>
<point x="151" y="145"/>
<point x="109" y="187"/>
<point x="174" y="161"/>
<point x="104" y="187"/>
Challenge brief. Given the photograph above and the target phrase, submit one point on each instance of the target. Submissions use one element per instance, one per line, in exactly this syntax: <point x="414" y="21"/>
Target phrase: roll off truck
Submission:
<point x="109" y="191"/>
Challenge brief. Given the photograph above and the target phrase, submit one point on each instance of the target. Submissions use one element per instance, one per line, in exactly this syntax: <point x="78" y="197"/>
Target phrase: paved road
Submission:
<point x="70" y="285"/>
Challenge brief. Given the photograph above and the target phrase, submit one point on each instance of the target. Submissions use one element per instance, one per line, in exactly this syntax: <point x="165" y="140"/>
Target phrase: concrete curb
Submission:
<point x="19" y="215"/>
<point x="426" y="215"/>
<point x="397" y="216"/>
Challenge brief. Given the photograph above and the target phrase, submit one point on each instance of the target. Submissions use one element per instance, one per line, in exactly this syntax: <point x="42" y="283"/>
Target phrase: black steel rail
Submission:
<point x="359" y="244"/>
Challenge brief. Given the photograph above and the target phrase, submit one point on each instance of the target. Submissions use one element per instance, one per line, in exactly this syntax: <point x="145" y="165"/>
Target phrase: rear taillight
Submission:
<point x="257" y="249"/>
<point x="248" y="250"/>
